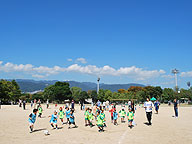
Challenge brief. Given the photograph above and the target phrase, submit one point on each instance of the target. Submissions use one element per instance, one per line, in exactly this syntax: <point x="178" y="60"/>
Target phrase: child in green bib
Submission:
<point x="90" y="118"/>
<point x="61" y="114"/>
<point x="40" y="110"/>
<point x="86" y="116"/>
<point x="130" y="116"/>
<point x="99" y="119"/>
<point x="122" y="114"/>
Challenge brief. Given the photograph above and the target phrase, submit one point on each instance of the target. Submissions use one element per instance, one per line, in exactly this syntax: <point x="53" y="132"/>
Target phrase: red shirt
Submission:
<point x="111" y="111"/>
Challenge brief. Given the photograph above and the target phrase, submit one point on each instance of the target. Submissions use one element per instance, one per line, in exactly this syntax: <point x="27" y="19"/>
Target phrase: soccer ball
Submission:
<point x="46" y="132"/>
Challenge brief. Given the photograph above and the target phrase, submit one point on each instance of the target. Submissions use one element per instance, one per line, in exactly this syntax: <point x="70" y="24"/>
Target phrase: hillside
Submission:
<point x="32" y="85"/>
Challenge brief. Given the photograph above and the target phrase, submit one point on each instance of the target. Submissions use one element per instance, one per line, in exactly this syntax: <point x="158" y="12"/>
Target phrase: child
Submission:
<point x="111" y="111"/>
<point x="115" y="117"/>
<point x="61" y="114"/>
<point x="122" y="114"/>
<point x="99" y="122"/>
<point x="130" y="116"/>
<point x="86" y="116"/>
<point x="90" y="118"/>
<point x="40" y="110"/>
<point x="103" y="117"/>
<point x="32" y="119"/>
<point x="68" y="114"/>
<point x="53" y="120"/>
<point x="72" y="119"/>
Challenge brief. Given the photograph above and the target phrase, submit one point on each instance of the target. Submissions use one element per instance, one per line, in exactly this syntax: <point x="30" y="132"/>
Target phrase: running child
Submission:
<point x="115" y="117"/>
<point x="130" y="116"/>
<point x="61" y="114"/>
<point x="32" y="119"/>
<point x="72" y="119"/>
<point x="122" y="114"/>
<point x="99" y="120"/>
<point x="86" y="116"/>
<point x="90" y="118"/>
<point x="67" y="112"/>
<point x="40" y="110"/>
<point x="111" y="111"/>
<point x="103" y="117"/>
<point x="53" y="120"/>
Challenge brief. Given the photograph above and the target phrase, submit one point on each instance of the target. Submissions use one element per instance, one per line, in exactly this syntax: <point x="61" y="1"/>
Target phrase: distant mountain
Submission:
<point x="33" y="85"/>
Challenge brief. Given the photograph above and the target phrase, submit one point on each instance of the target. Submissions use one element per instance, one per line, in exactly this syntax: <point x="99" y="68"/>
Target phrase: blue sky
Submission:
<point x="122" y="41"/>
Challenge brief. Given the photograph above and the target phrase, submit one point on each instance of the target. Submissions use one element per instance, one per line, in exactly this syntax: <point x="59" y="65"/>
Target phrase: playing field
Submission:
<point x="165" y="129"/>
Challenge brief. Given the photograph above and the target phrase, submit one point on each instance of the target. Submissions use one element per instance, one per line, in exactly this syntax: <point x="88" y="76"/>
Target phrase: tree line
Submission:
<point x="61" y="91"/>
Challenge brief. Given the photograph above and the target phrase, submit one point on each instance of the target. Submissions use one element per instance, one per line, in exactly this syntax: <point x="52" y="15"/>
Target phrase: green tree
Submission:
<point x="76" y="93"/>
<point x="60" y="91"/>
<point x="94" y="96"/>
<point x="108" y="95"/>
<point x="168" y="94"/>
<point x="9" y="91"/>
<point x="16" y="91"/>
<point x="83" y="96"/>
<point x="101" y="95"/>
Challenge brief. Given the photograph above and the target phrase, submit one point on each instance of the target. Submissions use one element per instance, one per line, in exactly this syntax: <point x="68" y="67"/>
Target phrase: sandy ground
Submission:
<point x="165" y="129"/>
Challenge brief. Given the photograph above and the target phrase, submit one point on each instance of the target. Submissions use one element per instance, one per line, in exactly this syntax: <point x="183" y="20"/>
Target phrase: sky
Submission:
<point x="124" y="41"/>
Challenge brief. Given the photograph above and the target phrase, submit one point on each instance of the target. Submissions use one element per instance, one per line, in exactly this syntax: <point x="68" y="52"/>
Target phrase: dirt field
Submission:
<point x="165" y="129"/>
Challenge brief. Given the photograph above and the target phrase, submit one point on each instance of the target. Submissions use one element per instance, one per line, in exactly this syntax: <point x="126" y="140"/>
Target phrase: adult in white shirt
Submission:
<point x="104" y="105"/>
<point x="148" y="105"/>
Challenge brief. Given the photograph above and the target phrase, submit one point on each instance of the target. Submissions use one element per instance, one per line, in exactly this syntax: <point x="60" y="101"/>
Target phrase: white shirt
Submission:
<point x="149" y="106"/>
<point x="129" y="103"/>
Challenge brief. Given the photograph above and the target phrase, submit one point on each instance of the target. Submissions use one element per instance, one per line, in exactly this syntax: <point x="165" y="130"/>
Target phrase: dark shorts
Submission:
<point x="100" y="125"/>
<point x="72" y="123"/>
<point x="130" y="120"/>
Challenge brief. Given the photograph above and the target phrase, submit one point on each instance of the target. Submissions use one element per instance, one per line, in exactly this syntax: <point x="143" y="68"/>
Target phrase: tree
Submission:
<point x="94" y="96"/>
<point x="101" y="95"/>
<point x="153" y="91"/>
<point x="83" y="96"/>
<point x="76" y="93"/>
<point x="16" y="91"/>
<point x="122" y="91"/>
<point x="9" y="91"/>
<point x="108" y="95"/>
<point x="60" y="91"/>
<point x="168" y="94"/>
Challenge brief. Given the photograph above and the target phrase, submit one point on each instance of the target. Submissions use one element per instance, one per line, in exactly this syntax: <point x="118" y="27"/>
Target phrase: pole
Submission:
<point x="97" y="87"/>
<point x="176" y="79"/>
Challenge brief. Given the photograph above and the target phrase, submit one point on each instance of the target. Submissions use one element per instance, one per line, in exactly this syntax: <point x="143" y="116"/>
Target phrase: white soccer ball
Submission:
<point x="46" y="132"/>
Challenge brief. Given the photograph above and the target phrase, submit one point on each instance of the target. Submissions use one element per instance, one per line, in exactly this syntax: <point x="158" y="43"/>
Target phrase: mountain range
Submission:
<point x="28" y="85"/>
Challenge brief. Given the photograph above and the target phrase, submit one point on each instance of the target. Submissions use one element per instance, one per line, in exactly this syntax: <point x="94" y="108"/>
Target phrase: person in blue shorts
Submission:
<point x="115" y="117"/>
<point x="53" y="120"/>
<point x="156" y="105"/>
<point x="67" y="112"/>
<point x="32" y="119"/>
<point x="72" y="119"/>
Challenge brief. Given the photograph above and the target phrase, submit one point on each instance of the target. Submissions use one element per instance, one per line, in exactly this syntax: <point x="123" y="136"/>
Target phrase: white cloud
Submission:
<point x="38" y="76"/>
<point x="186" y="74"/>
<point x="168" y="76"/>
<point x="81" y="60"/>
<point x="43" y="71"/>
<point x="70" y="60"/>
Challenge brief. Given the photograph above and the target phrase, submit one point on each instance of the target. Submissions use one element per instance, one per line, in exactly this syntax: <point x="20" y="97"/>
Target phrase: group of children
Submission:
<point x="53" y="121"/>
<point x="122" y="115"/>
<point x="96" y="114"/>
<point x="99" y="116"/>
